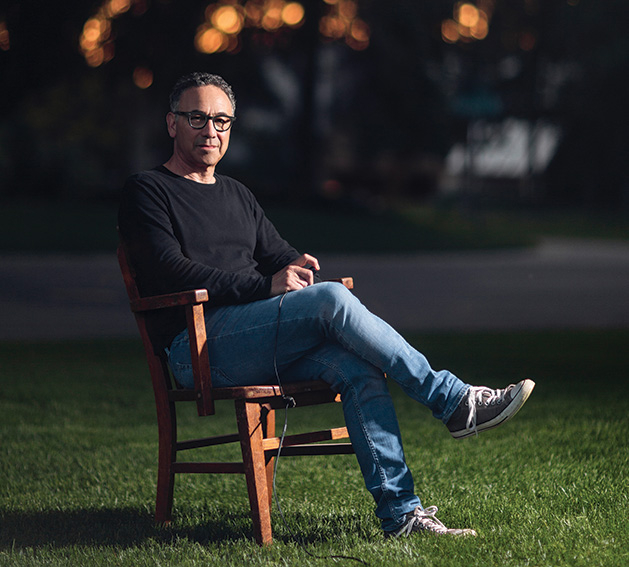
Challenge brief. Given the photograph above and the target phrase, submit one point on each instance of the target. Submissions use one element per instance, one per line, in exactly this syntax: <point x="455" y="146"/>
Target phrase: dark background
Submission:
<point x="320" y="117"/>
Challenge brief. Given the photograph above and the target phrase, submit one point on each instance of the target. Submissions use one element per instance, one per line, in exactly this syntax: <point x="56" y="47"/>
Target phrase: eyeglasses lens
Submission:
<point x="221" y="123"/>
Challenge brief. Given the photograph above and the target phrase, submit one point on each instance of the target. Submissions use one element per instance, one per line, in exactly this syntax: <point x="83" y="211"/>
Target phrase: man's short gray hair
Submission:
<point x="200" y="80"/>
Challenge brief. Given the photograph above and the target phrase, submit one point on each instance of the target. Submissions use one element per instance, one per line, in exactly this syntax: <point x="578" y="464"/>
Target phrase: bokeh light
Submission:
<point x="142" y="77"/>
<point x="272" y="19"/>
<point x="224" y="21"/>
<point x="95" y="42"/>
<point x="332" y="27"/>
<point x="227" y="20"/>
<point x="114" y="8"/>
<point x="230" y="18"/>
<point x="449" y="31"/>
<point x="469" y="22"/>
<point x="210" y="40"/>
<point x="342" y="22"/>
<point x="467" y="15"/>
<point x="5" y="37"/>
<point x="293" y="14"/>
<point x="255" y="12"/>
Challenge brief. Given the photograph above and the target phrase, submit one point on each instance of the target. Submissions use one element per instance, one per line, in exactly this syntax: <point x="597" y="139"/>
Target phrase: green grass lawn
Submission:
<point x="78" y="465"/>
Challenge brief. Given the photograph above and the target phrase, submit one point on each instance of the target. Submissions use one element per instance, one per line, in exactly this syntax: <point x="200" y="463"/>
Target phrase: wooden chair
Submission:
<point x="255" y="411"/>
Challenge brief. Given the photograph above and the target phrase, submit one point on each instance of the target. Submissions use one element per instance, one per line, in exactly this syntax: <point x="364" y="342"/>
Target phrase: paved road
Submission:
<point x="560" y="284"/>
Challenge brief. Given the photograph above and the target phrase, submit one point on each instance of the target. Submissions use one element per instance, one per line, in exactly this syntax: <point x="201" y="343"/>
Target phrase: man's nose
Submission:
<point x="209" y="129"/>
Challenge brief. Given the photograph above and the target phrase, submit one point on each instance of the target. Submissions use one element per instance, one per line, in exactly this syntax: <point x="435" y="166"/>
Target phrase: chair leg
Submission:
<point x="250" y="428"/>
<point x="270" y="432"/>
<point x="164" y="500"/>
<point x="165" y="478"/>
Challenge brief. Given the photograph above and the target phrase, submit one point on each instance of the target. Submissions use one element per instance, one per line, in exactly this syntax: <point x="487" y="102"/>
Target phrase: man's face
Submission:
<point x="200" y="149"/>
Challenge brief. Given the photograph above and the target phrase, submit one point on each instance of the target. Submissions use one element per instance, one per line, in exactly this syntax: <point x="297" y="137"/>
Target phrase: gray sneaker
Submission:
<point x="483" y="408"/>
<point x="425" y="521"/>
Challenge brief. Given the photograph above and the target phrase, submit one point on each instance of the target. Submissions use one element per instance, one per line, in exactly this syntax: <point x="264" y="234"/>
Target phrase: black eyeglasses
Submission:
<point x="198" y="120"/>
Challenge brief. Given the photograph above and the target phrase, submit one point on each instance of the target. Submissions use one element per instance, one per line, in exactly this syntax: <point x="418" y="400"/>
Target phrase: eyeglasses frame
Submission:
<point x="191" y="113"/>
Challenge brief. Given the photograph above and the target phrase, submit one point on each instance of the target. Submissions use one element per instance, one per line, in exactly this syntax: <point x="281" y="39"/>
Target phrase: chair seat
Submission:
<point x="264" y="393"/>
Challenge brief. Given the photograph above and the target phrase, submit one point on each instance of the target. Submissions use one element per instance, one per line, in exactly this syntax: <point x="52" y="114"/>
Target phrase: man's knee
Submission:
<point x="332" y="296"/>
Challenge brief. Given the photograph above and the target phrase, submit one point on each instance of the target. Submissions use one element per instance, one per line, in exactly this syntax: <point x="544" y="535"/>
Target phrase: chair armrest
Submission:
<point x="192" y="301"/>
<point x="191" y="297"/>
<point x="347" y="282"/>
<point x="194" y="296"/>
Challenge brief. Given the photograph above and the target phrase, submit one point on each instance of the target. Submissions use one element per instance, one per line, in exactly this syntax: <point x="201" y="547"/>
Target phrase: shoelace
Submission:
<point x="481" y="395"/>
<point x="425" y="520"/>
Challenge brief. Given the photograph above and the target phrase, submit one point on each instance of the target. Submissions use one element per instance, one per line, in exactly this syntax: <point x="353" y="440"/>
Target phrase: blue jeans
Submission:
<point x="325" y="332"/>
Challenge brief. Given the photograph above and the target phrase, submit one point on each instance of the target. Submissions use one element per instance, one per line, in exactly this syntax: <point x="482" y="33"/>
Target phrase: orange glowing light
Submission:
<point x="210" y="40"/>
<point x="348" y="9"/>
<point x="272" y="19"/>
<point x="341" y="21"/>
<point x="95" y="42"/>
<point x="117" y="7"/>
<point x="227" y="19"/>
<point x="449" y="31"/>
<point x="469" y="22"/>
<point x="233" y="45"/>
<point x="293" y="14"/>
<point x="358" y="37"/>
<point x="93" y="28"/>
<point x="481" y="29"/>
<point x="332" y="26"/>
<point x="254" y="12"/>
<point x="87" y="44"/>
<point x="142" y="77"/>
<point x="224" y="21"/>
<point x="5" y="37"/>
<point x="95" y="57"/>
<point x="360" y="31"/>
<point x="467" y="15"/>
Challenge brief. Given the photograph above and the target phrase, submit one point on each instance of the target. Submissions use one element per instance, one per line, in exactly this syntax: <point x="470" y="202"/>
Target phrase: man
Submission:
<point x="188" y="227"/>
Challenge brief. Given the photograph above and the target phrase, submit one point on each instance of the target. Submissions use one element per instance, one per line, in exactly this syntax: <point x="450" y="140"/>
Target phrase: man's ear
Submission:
<point x="171" y="124"/>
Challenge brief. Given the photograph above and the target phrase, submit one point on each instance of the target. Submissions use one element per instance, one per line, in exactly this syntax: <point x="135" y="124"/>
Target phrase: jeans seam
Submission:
<point x="381" y="474"/>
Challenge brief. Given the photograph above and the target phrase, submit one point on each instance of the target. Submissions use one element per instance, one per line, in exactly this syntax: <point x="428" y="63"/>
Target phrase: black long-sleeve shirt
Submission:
<point x="186" y="235"/>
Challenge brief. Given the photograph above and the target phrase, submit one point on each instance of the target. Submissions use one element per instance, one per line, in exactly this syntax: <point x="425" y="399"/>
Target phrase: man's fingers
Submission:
<point x="301" y="276"/>
<point x="308" y="260"/>
<point x="295" y="276"/>
<point x="307" y="276"/>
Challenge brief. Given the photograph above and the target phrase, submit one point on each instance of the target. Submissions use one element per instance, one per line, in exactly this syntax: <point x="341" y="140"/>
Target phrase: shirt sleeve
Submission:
<point x="272" y="252"/>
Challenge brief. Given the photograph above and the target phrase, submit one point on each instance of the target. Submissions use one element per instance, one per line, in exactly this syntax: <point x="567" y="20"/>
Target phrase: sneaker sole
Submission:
<point x="513" y="408"/>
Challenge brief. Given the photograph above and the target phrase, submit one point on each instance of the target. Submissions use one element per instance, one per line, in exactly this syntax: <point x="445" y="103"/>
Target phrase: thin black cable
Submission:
<point x="290" y="403"/>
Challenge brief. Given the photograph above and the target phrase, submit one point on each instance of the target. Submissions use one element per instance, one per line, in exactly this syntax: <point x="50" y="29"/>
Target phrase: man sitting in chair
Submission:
<point x="188" y="227"/>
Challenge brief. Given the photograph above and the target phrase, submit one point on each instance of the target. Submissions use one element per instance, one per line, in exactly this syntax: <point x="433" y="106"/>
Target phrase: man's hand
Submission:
<point x="295" y="276"/>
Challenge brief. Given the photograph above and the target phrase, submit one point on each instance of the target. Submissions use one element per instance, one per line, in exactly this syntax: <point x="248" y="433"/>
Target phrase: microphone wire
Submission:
<point x="290" y="403"/>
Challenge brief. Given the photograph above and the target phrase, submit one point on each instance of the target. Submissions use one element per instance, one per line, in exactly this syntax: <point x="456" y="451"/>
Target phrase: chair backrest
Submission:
<point x="164" y="387"/>
<point x="158" y="367"/>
